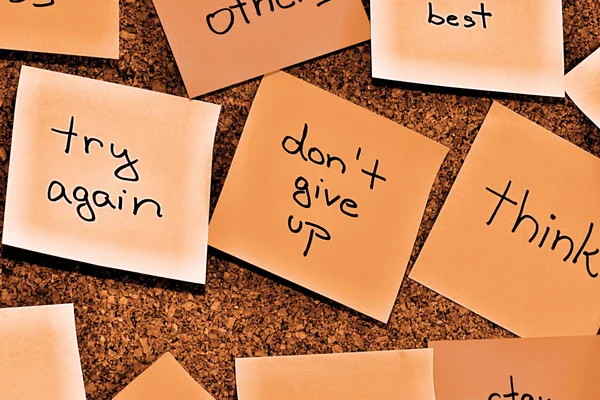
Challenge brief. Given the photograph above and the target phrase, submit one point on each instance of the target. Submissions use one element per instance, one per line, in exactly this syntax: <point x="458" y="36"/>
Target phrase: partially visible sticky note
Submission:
<point x="73" y="27"/>
<point x="517" y="240"/>
<point x="165" y="379"/>
<point x="500" y="45"/>
<point x="385" y="375"/>
<point x="583" y="86"/>
<point x="523" y="369"/>
<point x="39" y="355"/>
<point x="326" y="194"/>
<point x="110" y="175"/>
<point x="218" y="43"/>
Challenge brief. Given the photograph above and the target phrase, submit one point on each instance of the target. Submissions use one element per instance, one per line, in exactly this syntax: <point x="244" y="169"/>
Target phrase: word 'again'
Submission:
<point x="470" y="21"/>
<point x="526" y="221"/>
<point x="222" y="20"/>
<point x="514" y="395"/>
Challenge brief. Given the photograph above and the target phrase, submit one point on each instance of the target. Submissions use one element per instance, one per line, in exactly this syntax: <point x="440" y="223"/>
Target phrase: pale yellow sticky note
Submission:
<point x="385" y="375"/>
<point x="583" y="86"/>
<point x="517" y="240"/>
<point x="218" y="43"/>
<point x="326" y="194"/>
<point x="523" y="369"/>
<point x="110" y="175"/>
<point x="165" y="379"/>
<point x="74" y="27"/>
<point x="39" y="356"/>
<point x="500" y="45"/>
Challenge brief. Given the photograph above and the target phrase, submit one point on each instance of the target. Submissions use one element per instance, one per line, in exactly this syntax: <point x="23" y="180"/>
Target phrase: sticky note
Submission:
<point x="385" y="375"/>
<point x="325" y="194"/>
<point x="583" y="86"/>
<point x="517" y="238"/>
<point x="73" y="27"/>
<point x="520" y="369"/>
<point x="110" y="175"/>
<point x="218" y="43"/>
<point x="165" y="379"/>
<point x="498" y="45"/>
<point x="39" y="356"/>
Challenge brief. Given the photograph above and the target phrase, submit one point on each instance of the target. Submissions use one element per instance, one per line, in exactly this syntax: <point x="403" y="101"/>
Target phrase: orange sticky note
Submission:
<point x="165" y="379"/>
<point x="517" y="239"/>
<point x="520" y="369"/>
<point x="384" y="375"/>
<point x="583" y="86"/>
<point x="39" y="356"/>
<point x="74" y="27"/>
<point x="218" y="43"/>
<point x="500" y="45"/>
<point x="326" y="194"/>
<point x="110" y="175"/>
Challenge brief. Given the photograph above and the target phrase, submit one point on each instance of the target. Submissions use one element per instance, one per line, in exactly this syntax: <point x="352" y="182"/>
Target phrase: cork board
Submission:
<point x="126" y="321"/>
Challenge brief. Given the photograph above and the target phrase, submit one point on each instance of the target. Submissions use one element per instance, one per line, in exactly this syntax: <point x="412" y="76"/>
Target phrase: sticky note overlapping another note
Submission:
<point x="73" y="27"/>
<point x="39" y="356"/>
<point x="165" y="379"/>
<point x="505" y="46"/>
<point x="520" y="369"/>
<point x="219" y="43"/>
<point x="384" y="375"/>
<point x="517" y="240"/>
<point x="583" y="86"/>
<point x="325" y="194"/>
<point x="110" y="175"/>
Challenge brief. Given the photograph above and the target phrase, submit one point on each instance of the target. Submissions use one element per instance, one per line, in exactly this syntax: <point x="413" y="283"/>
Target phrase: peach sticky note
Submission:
<point x="39" y="356"/>
<point x="517" y="239"/>
<point x="218" y="43"/>
<point x="500" y="45"/>
<point x="326" y="194"/>
<point x="583" y="86"/>
<point x="518" y="369"/>
<point x="384" y="375"/>
<point x="165" y="379"/>
<point x="74" y="27"/>
<point x="110" y="175"/>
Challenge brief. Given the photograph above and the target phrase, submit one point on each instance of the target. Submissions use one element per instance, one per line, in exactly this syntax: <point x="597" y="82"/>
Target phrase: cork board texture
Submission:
<point x="126" y="321"/>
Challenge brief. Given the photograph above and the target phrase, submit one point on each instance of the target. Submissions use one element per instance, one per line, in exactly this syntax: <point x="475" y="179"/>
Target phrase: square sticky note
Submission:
<point x="165" y="379"/>
<point x="384" y="375"/>
<point x="583" y="86"/>
<point x="39" y="356"/>
<point x="110" y="175"/>
<point x="517" y="239"/>
<point x="73" y="27"/>
<point x="218" y="43"/>
<point x="326" y="194"/>
<point x="524" y="369"/>
<point x="498" y="45"/>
